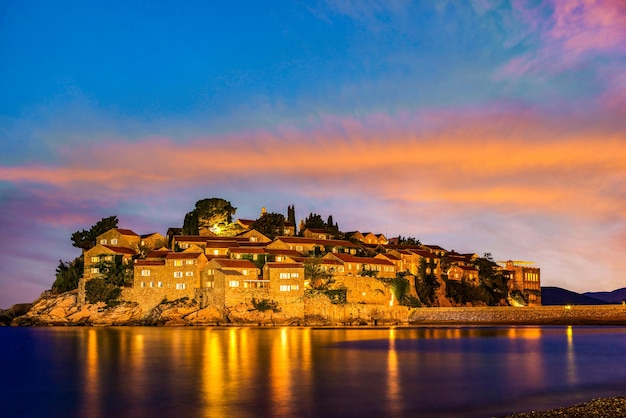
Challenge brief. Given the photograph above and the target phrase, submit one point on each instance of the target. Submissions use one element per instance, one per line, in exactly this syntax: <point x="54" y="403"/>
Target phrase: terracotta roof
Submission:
<point x="284" y="265"/>
<point x="319" y="230"/>
<point x="242" y="264"/>
<point x="221" y="244"/>
<point x="149" y="235"/>
<point x="190" y="238"/>
<point x="218" y="238"/>
<point x="121" y="250"/>
<point x="288" y="253"/>
<point x="313" y="241"/>
<point x="126" y="232"/>
<point x="391" y="257"/>
<point x="150" y="262"/>
<point x="182" y="256"/>
<point x="349" y="258"/>
<point x="247" y="250"/>
<point x="158" y="253"/>
<point x="231" y="272"/>
<point x="246" y="222"/>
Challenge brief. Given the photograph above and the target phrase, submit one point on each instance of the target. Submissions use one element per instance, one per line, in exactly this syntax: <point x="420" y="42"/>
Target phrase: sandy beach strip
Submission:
<point x="613" y="407"/>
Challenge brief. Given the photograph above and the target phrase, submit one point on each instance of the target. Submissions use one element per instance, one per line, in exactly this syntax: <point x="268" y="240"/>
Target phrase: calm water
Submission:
<point x="304" y="372"/>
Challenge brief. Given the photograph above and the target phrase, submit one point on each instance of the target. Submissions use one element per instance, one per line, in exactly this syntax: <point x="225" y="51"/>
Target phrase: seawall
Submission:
<point x="539" y="315"/>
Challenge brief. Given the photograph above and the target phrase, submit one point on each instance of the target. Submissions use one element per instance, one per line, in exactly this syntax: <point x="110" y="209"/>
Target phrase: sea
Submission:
<point x="306" y="372"/>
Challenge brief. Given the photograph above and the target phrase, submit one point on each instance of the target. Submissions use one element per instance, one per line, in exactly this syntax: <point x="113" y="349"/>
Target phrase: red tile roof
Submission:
<point x="126" y="232"/>
<point x="229" y="263"/>
<point x="182" y="256"/>
<point x="150" y="262"/>
<point x="284" y="265"/>
<point x="158" y="253"/>
<point x="121" y="250"/>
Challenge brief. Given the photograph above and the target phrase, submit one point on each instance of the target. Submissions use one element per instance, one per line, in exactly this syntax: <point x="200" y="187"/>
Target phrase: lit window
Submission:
<point x="245" y="272"/>
<point x="184" y="245"/>
<point x="95" y="259"/>
<point x="285" y="288"/>
<point x="295" y="275"/>
<point x="159" y="284"/>
<point x="233" y="283"/>
<point x="252" y="239"/>
<point x="95" y="270"/>
<point x="189" y="273"/>
<point x="210" y="284"/>
<point x="295" y="287"/>
<point x="108" y="258"/>
<point x="114" y="241"/>
<point x="340" y="269"/>
<point x="283" y="275"/>
<point x="143" y="284"/>
<point x="299" y="247"/>
<point x="151" y="284"/>
<point x="178" y="274"/>
<point x="145" y="272"/>
<point x="103" y="242"/>
<point x="279" y="258"/>
<point x="189" y="261"/>
<point x="180" y="286"/>
<point x="216" y="252"/>
<point x="178" y="263"/>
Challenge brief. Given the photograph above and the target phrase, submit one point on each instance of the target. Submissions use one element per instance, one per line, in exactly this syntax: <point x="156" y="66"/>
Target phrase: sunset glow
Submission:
<point x="491" y="127"/>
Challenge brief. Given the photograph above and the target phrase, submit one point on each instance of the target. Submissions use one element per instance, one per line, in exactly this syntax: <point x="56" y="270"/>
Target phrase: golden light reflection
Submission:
<point x="280" y="376"/>
<point x="393" y="383"/>
<point x="212" y="374"/>
<point x="92" y="381"/>
<point x="136" y="371"/>
<point x="572" y="373"/>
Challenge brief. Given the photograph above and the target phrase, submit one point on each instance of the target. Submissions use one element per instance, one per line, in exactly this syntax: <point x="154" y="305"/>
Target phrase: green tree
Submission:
<point x="67" y="275"/>
<point x="99" y="290"/>
<point x="270" y="224"/>
<point x="116" y="271"/>
<point x="317" y="277"/>
<point x="215" y="214"/>
<point x="87" y="239"/>
<point x="314" y="221"/>
<point x="291" y="214"/>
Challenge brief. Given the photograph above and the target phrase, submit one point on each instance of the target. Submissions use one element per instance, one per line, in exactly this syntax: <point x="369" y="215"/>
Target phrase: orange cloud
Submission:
<point x="478" y="163"/>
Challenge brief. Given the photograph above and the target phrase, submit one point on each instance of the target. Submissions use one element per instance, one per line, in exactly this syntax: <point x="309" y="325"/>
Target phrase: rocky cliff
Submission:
<point x="65" y="310"/>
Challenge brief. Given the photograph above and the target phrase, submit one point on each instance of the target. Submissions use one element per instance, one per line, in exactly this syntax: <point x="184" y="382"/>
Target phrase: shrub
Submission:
<point x="263" y="305"/>
<point x="98" y="290"/>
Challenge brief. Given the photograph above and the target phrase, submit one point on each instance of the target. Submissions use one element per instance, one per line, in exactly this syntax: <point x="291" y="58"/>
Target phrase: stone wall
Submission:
<point x="566" y="315"/>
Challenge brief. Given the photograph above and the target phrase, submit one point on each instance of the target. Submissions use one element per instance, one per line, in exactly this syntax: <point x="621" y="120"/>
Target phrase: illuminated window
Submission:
<point x="114" y="241"/>
<point x="159" y="284"/>
<point x="245" y="272"/>
<point x="178" y="263"/>
<point x="180" y="286"/>
<point x="178" y="274"/>
<point x="295" y="274"/>
<point x="299" y="247"/>
<point x="285" y="288"/>
<point x="340" y="269"/>
<point x="295" y="287"/>
<point x="189" y="273"/>
<point x="151" y="284"/>
<point x="233" y="283"/>
<point x="283" y="275"/>
<point x="95" y="259"/>
<point x="189" y="261"/>
<point x="210" y="284"/>
<point x="145" y="272"/>
<point x="279" y="258"/>
<point x="252" y="239"/>
<point x="143" y="284"/>
<point x="216" y="252"/>
<point x="103" y="242"/>
<point x="95" y="270"/>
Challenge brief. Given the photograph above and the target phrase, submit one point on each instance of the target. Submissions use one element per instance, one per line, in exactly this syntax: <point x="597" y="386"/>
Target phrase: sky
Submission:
<point x="481" y="126"/>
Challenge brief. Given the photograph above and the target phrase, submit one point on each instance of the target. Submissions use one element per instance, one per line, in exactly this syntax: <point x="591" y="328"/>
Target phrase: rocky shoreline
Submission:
<point x="65" y="310"/>
<point x="613" y="407"/>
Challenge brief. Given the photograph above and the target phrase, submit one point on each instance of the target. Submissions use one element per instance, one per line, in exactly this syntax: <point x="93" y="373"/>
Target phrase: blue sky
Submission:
<point x="481" y="126"/>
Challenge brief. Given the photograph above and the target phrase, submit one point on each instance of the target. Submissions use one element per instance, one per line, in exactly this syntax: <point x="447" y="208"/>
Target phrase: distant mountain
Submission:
<point x="558" y="296"/>
<point x="616" y="296"/>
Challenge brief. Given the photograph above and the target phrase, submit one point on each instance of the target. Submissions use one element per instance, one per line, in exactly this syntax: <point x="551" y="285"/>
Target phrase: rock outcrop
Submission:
<point x="65" y="310"/>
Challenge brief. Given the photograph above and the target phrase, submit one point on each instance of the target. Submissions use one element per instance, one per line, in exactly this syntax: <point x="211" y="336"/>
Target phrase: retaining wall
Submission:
<point x="565" y="315"/>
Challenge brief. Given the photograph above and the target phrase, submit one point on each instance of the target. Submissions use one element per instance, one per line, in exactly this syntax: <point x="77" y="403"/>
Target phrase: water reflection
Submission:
<point x="249" y="372"/>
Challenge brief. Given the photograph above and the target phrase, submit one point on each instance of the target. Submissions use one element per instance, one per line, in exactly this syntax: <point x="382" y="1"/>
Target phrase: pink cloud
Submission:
<point x="570" y="34"/>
